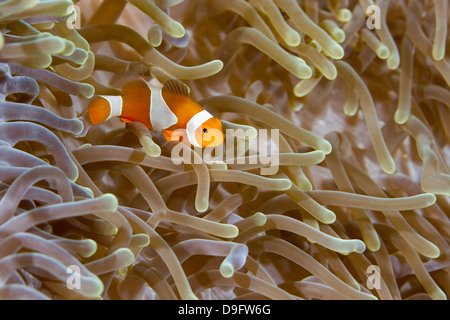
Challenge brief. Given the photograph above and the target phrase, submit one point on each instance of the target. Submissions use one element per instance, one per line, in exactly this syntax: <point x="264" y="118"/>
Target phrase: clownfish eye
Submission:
<point x="205" y="130"/>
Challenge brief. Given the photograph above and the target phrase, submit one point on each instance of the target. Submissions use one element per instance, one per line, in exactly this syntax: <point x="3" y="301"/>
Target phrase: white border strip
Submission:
<point x="115" y="106"/>
<point x="196" y="121"/>
<point x="161" y="117"/>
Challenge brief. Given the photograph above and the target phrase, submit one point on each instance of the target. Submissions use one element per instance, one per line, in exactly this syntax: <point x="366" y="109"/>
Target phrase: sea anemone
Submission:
<point x="350" y="203"/>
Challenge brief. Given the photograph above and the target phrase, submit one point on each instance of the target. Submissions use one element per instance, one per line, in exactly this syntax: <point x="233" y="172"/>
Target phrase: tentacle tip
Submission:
<point x="330" y="74"/>
<point x="325" y="147"/>
<point x="127" y="256"/>
<point x="201" y="206"/>
<point x="232" y="232"/>
<point x="145" y="242"/>
<point x="304" y="184"/>
<point x="360" y="247"/>
<point x="92" y="248"/>
<point x="218" y="65"/>
<point x="259" y="219"/>
<point x="293" y="39"/>
<point x="320" y="156"/>
<point x="389" y="166"/>
<point x="226" y="269"/>
<point x="92" y="287"/>
<point x="373" y="245"/>
<point x="78" y="127"/>
<point x="438" y="54"/>
<point x="383" y="52"/>
<point x="73" y="175"/>
<point x="177" y="30"/>
<point x="336" y="52"/>
<point x="87" y="91"/>
<point x="327" y="216"/>
<point x="344" y="15"/>
<point x="153" y="150"/>
<point x="285" y="184"/>
<point x="401" y="117"/>
<point x="393" y="62"/>
<point x="111" y="200"/>
<point x="430" y="199"/>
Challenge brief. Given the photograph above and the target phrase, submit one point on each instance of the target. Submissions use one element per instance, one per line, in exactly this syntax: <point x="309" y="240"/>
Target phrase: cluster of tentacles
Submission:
<point x="362" y="182"/>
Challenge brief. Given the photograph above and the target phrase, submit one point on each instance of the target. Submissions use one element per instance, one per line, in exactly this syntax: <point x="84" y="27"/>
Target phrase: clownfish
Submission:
<point x="167" y="109"/>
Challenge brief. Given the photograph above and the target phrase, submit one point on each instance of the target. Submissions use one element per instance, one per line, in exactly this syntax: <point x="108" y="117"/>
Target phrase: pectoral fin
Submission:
<point x="174" y="135"/>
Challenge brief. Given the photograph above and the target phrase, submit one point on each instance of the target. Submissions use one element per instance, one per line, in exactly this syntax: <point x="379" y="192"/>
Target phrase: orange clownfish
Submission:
<point x="166" y="109"/>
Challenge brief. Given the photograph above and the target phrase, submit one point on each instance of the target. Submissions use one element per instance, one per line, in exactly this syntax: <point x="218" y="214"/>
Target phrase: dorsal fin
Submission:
<point x="134" y="87"/>
<point x="177" y="87"/>
<point x="211" y="110"/>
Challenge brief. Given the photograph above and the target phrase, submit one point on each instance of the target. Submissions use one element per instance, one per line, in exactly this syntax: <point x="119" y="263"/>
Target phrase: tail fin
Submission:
<point x="98" y="111"/>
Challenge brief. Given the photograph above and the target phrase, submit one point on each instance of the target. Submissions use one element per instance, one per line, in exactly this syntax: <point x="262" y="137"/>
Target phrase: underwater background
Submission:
<point x="358" y="209"/>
